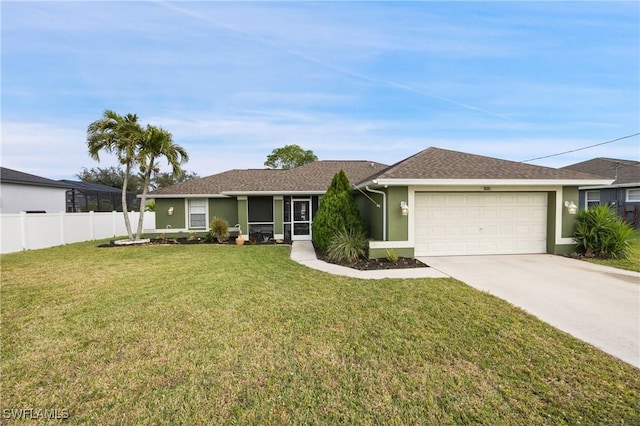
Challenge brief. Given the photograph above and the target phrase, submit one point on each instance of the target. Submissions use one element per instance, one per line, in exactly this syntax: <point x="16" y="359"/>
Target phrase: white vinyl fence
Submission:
<point x="24" y="231"/>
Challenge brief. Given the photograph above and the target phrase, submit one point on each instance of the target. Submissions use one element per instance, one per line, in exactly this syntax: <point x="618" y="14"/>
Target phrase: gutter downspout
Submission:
<point x="384" y="210"/>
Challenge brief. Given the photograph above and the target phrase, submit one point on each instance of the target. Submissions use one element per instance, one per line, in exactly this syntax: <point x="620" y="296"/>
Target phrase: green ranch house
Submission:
<point x="436" y="202"/>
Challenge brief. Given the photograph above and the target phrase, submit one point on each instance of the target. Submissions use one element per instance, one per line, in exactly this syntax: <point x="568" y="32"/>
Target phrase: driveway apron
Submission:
<point x="597" y="304"/>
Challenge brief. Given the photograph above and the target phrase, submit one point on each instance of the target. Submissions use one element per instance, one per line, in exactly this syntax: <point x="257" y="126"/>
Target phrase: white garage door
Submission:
<point x="480" y="223"/>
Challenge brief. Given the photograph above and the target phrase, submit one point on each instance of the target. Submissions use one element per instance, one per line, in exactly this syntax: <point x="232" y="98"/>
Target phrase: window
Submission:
<point x="592" y="198"/>
<point x="197" y="214"/>
<point x="260" y="209"/>
<point x="633" y="195"/>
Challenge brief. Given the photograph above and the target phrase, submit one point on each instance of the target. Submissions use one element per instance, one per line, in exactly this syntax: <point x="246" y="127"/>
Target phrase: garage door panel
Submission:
<point x="480" y="223"/>
<point x="507" y="213"/>
<point x="472" y="213"/>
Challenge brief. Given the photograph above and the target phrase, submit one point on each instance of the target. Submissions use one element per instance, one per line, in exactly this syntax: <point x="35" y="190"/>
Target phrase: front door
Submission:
<point x="301" y="223"/>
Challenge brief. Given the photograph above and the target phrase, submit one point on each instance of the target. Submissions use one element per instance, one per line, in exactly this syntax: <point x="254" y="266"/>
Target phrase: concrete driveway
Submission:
<point x="597" y="304"/>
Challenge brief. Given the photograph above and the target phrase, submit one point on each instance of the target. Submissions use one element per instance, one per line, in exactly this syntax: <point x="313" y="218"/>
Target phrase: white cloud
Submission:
<point x="46" y="149"/>
<point x="376" y="81"/>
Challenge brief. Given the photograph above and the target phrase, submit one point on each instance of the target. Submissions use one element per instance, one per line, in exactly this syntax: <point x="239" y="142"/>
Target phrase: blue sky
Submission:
<point x="375" y="81"/>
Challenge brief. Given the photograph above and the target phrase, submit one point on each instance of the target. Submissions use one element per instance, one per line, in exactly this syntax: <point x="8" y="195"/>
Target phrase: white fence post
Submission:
<point x="23" y="229"/>
<point x="62" y="240"/>
<point x="91" y="225"/>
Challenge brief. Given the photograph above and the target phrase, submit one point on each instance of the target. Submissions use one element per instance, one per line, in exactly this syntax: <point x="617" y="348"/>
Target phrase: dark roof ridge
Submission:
<point x="440" y="163"/>
<point x="399" y="162"/>
<point x="8" y="175"/>
<point x="625" y="160"/>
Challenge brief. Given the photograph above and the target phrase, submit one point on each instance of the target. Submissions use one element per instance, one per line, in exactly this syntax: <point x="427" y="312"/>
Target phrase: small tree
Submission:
<point x="112" y="176"/>
<point x="602" y="233"/>
<point x="121" y="136"/>
<point x="289" y="156"/>
<point x="339" y="183"/>
<point x="164" y="179"/>
<point x="337" y="212"/>
<point x="154" y="144"/>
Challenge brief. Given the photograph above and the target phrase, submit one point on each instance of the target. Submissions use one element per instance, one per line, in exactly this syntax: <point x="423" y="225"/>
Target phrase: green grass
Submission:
<point x="242" y="335"/>
<point x="631" y="264"/>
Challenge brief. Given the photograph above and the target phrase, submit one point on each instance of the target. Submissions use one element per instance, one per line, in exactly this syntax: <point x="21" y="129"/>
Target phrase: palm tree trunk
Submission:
<point x="143" y="200"/>
<point x="125" y="183"/>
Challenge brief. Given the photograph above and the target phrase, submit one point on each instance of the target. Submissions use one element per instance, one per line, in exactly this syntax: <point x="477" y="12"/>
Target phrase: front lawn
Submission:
<point x="226" y="334"/>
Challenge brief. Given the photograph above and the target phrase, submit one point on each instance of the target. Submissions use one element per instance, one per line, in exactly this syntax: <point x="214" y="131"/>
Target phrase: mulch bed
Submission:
<point x="186" y="240"/>
<point x="376" y="264"/>
<point x="360" y="264"/>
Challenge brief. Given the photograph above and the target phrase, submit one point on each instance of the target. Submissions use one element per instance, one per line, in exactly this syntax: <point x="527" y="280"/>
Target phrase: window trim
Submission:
<point x="587" y="202"/>
<point x="628" y="195"/>
<point x="206" y="213"/>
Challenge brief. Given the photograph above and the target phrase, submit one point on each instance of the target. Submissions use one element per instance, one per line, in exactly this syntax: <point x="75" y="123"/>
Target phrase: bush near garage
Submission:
<point x="337" y="212"/>
<point x="601" y="233"/>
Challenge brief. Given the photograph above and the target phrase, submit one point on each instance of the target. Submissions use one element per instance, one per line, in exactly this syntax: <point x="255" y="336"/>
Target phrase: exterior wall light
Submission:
<point x="405" y="208"/>
<point x="170" y="211"/>
<point x="571" y="207"/>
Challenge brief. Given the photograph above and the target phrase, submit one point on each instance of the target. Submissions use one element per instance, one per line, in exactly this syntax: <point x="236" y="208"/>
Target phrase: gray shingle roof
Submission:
<point x="628" y="171"/>
<point x="437" y="163"/>
<point x="21" y="178"/>
<point x="312" y="177"/>
<point x="432" y="163"/>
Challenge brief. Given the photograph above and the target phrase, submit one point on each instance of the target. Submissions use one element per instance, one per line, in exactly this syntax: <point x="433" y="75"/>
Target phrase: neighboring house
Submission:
<point x="23" y="192"/>
<point x="437" y="202"/>
<point x="623" y="193"/>
<point x="85" y="197"/>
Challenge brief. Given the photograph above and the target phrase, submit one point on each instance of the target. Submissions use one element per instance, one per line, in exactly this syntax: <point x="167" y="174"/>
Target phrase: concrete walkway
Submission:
<point x="597" y="304"/>
<point x="304" y="253"/>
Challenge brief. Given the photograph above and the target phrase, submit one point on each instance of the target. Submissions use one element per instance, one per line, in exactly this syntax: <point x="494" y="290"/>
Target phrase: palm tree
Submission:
<point x="156" y="143"/>
<point x="121" y="136"/>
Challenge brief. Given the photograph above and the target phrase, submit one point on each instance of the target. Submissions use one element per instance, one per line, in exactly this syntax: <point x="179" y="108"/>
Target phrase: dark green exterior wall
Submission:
<point x="380" y="253"/>
<point x="225" y="208"/>
<point x="163" y="220"/>
<point x="551" y="222"/>
<point x="278" y="218"/>
<point x="567" y="221"/>
<point x="570" y="193"/>
<point x="371" y="214"/>
<point x="243" y="218"/>
<point x="397" y="225"/>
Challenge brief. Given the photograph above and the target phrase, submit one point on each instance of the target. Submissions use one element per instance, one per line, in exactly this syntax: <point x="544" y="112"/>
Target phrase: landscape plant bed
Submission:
<point x="632" y="263"/>
<point x="375" y="264"/>
<point x="187" y="241"/>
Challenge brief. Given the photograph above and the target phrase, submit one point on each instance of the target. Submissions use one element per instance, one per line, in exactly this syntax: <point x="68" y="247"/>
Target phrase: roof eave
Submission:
<point x="620" y="185"/>
<point x="483" y="182"/>
<point x="278" y="192"/>
<point x="151" y="195"/>
<point x="43" y="184"/>
<point x="229" y="194"/>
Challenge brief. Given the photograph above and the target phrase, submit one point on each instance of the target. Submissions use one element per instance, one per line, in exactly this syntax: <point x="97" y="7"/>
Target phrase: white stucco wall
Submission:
<point x="17" y="198"/>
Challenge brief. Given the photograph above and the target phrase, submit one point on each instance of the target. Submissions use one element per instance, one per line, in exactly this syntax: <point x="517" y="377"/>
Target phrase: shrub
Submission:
<point x="219" y="229"/>
<point x="337" y="212"/>
<point x="602" y="233"/>
<point x="392" y="256"/>
<point x="347" y="246"/>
